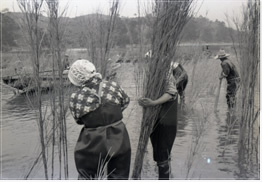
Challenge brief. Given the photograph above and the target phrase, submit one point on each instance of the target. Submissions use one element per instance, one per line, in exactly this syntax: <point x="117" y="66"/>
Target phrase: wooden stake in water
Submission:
<point x="217" y="97"/>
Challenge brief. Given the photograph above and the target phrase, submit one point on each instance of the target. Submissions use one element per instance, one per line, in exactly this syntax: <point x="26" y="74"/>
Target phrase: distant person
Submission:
<point x="181" y="77"/>
<point x="165" y="128"/>
<point x="98" y="105"/>
<point x="66" y="62"/>
<point x="148" y="54"/>
<point x="229" y="72"/>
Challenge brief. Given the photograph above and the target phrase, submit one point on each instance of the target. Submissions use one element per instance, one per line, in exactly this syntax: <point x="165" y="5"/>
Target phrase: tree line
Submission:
<point x="127" y="30"/>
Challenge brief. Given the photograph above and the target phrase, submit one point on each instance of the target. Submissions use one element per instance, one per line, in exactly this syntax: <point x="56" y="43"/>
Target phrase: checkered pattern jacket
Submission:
<point x="86" y="99"/>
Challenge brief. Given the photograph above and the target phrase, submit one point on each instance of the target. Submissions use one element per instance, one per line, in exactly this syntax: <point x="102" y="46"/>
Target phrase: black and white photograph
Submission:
<point x="130" y="90"/>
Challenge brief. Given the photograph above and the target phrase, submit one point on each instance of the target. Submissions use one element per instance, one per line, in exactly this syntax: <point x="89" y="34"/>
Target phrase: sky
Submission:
<point x="211" y="9"/>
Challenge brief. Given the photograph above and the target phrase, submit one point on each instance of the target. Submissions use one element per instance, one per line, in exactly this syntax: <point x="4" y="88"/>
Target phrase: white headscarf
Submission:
<point x="81" y="71"/>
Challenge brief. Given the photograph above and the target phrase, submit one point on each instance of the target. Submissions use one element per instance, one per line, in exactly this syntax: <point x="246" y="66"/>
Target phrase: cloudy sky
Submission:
<point x="212" y="9"/>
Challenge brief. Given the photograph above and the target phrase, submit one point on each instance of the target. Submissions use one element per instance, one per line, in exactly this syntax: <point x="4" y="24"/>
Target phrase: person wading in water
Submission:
<point x="103" y="141"/>
<point x="229" y="72"/>
<point x="165" y="128"/>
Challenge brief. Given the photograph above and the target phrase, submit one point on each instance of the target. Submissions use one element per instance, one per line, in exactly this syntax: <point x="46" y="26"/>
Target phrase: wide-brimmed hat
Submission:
<point x="221" y="54"/>
<point x="81" y="71"/>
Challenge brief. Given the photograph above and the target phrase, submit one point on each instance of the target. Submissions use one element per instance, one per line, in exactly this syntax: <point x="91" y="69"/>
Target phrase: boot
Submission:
<point x="163" y="170"/>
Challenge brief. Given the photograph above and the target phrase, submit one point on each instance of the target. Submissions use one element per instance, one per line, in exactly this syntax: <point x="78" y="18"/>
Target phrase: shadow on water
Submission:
<point x="228" y="139"/>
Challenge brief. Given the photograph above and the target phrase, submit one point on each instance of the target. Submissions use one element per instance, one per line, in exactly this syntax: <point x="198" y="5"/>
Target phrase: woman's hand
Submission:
<point x="146" y="102"/>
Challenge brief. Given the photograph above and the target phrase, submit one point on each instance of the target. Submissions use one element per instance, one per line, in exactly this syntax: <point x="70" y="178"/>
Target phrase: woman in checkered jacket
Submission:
<point x="103" y="141"/>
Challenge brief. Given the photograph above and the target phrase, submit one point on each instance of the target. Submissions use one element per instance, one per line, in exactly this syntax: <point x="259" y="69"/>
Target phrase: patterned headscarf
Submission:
<point x="81" y="71"/>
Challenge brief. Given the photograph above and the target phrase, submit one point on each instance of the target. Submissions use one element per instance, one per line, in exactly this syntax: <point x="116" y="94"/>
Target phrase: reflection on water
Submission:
<point x="228" y="137"/>
<point x="182" y="122"/>
<point x="230" y="149"/>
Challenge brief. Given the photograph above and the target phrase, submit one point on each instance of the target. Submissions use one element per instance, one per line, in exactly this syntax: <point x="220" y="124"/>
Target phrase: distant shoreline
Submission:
<point x="15" y="50"/>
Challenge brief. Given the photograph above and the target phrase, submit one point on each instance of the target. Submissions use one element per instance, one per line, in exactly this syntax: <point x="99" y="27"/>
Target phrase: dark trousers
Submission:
<point x="103" y="153"/>
<point x="232" y="88"/>
<point x="163" y="137"/>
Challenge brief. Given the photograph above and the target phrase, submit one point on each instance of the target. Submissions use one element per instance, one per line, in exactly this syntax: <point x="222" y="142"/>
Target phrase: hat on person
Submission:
<point x="81" y="71"/>
<point x="221" y="54"/>
<point x="174" y="65"/>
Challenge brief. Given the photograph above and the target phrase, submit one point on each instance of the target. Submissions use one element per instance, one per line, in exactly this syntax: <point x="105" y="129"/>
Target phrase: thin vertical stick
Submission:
<point x="56" y="35"/>
<point x="217" y="96"/>
<point x="31" y="11"/>
<point x="249" y="59"/>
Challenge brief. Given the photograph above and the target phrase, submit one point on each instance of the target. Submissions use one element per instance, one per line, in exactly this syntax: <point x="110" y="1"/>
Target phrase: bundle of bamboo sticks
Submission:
<point x="169" y="19"/>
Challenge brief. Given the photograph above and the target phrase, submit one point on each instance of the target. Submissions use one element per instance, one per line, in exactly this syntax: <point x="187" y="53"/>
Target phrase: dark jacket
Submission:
<point x="230" y="71"/>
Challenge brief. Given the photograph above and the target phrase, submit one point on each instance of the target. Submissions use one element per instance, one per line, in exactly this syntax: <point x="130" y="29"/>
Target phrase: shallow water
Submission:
<point x="215" y="154"/>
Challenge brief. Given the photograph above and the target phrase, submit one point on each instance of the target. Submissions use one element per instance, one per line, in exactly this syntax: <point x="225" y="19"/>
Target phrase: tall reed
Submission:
<point x="200" y="125"/>
<point x="50" y="131"/>
<point x="99" y="32"/>
<point x="56" y="30"/>
<point x="247" y="50"/>
<point x="139" y="72"/>
<point x="32" y="11"/>
<point x="169" y="20"/>
<point x="199" y="111"/>
<point x="249" y="60"/>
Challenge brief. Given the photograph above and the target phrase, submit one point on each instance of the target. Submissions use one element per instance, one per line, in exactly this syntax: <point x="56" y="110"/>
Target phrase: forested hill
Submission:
<point x="198" y="29"/>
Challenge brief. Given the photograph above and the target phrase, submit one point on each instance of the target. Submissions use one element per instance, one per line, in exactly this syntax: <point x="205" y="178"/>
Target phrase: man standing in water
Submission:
<point x="229" y="72"/>
<point x="165" y="128"/>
